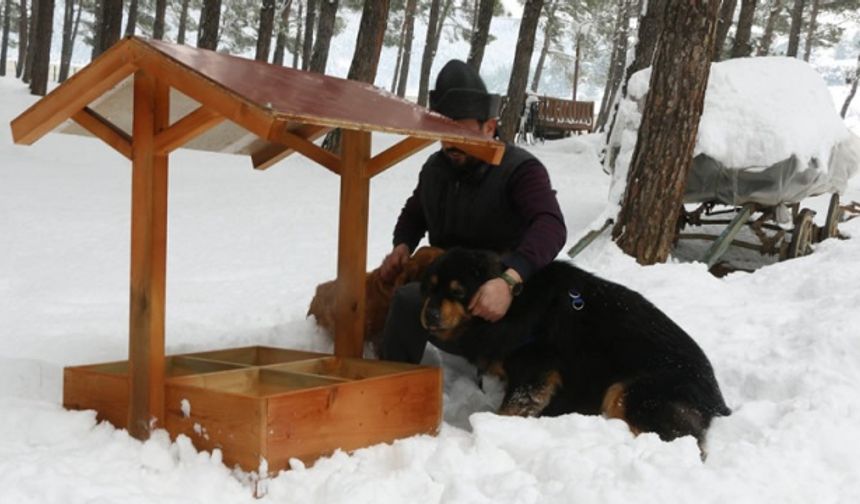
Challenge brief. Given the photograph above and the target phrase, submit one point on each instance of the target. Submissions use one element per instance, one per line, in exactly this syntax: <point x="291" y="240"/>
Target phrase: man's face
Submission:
<point x="459" y="158"/>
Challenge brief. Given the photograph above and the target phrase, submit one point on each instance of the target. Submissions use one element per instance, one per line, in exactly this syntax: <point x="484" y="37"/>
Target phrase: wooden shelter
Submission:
<point x="146" y="98"/>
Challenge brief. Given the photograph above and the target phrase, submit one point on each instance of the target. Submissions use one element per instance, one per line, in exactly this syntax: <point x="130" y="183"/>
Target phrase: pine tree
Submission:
<point x="283" y="31"/>
<point x="297" y="42"/>
<point x="264" y="32"/>
<point x="406" y="59"/>
<point x="131" y="22"/>
<point x="23" y="37"/>
<point x="742" y="46"/>
<point x="31" y="41"/>
<point x="810" y="34"/>
<point x="325" y="31"/>
<point x="4" y="40"/>
<point x="158" y="24"/>
<point x="724" y="22"/>
<point x="481" y="33"/>
<point x="71" y="21"/>
<point x="796" y="27"/>
<point x="368" y="44"/>
<point x="646" y="225"/>
<point x="520" y="72"/>
<point x="430" y="45"/>
<point x="617" y="63"/>
<point x="650" y="27"/>
<point x="210" y="19"/>
<point x="108" y="25"/>
<point x="308" y="41"/>
<point x="183" y="22"/>
<point x="769" y="28"/>
<point x="44" y="27"/>
<point x="550" y="32"/>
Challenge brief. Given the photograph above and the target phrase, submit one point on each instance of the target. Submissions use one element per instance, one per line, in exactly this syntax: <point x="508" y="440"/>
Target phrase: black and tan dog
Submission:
<point x="574" y="342"/>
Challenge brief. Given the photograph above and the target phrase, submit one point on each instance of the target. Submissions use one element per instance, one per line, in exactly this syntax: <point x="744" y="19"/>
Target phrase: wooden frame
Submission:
<point x="281" y="107"/>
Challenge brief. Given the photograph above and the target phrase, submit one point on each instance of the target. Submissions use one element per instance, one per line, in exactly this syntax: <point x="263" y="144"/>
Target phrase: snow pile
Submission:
<point x="769" y="133"/>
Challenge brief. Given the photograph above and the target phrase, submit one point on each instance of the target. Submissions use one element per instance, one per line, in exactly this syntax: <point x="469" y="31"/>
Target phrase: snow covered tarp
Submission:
<point x="769" y="134"/>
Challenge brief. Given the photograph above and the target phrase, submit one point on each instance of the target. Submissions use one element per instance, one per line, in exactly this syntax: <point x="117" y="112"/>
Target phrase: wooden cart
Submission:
<point x="261" y="406"/>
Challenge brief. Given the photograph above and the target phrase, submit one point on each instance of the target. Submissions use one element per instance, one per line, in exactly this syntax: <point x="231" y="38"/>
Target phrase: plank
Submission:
<point x="62" y="103"/>
<point x="281" y="135"/>
<point x="269" y="155"/>
<point x="719" y="247"/>
<point x="186" y="129"/>
<point x="352" y="244"/>
<point x="148" y="257"/>
<point x="108" y="132"/>
<point x="395" y="154"/>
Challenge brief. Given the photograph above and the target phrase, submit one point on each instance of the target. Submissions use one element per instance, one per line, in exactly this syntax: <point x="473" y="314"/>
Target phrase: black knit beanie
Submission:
<point x="461" y="94"/>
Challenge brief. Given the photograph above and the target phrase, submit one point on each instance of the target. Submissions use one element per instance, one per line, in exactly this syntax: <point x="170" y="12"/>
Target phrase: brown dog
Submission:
<point x="378" y="296"/>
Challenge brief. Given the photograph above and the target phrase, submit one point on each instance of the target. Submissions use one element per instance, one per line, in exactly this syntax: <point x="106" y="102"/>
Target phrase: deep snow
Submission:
<point x="246" y="249"/>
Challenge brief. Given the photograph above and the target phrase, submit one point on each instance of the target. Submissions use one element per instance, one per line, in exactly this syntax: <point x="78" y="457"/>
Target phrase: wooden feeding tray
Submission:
<point x="147" y="98"/>
<point x="263" y="403"/>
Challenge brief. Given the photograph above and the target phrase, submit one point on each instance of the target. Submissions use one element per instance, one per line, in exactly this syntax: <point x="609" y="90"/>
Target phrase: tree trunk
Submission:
<point x="401" y="41"/>
<point x="183" y="22"/>
<point x="325" y="30"/>
<point x="308" y="42"/>
<point x="23" y="38"/>
<point x="368" y="44"/>
<point x="283" y="28"/>
<point x="576" y="62"/>
<point x="298" y="42"/>
<point x="443" y="15"/>
<point x="31" y="41"/>
<point x="430" y="45"/>
<point x="548" y="33"/>
<point x="647" y="222"/>
<point x="403" y="79"/>
<point x="742" y="47"/>
<point x="724" y="22"/>
<point x="96" y="27"/>
<point x="796" y="27"/>
<point x="650" y="27"/>
<point x="66" y="49"/>
<point x="158" y="24"/>
<point x="852" y="92"/>
<point x="210" y="22"/>
<point x="42" y="48"/>
<point x="616" y="66"/>
<point x="769" y="27"/>
<point x="4" y="41"/>
<point x="520" y="73"/>
<point x="481" y="34"/>
<point x="810" y="34"/>
<point x="131" y="23"/>
<point x="111" y="25"/>
<point x="264" y="33"/>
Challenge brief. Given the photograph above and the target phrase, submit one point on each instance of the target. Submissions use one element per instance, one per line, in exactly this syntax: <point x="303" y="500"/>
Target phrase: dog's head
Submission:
<point x="449" y="284"/>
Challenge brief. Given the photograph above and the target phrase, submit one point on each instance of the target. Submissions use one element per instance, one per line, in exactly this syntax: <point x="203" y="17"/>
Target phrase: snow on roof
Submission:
<point x="759" y="111"/>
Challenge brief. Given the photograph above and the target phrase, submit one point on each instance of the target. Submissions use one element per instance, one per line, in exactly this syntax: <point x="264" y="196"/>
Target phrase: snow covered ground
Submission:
<point x="246" y="250"/>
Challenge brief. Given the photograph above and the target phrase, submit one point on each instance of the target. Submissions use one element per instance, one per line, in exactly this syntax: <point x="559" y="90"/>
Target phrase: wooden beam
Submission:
<point x="233" y="107"/>
<point x="488" y="153"/>
<point x="281" y="135"/>
<point x="396" y="153"/>
<point x="352" y="244"/>
<point x="62" y="103"/>
<point x="110" y="133"/>
<point x="267" y="156"/>
<point x="148" y="258"/>
<point x="186" y="129"/>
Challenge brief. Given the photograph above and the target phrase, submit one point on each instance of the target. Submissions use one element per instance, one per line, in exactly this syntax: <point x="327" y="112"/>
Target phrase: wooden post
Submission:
<point x="148" y="258"/>
<point x="352" y="243"/>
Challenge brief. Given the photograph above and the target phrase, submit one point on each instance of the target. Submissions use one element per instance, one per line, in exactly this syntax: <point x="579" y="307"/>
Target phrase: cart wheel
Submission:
<point x="834" y="215"/>
<point x="801" y="237"/>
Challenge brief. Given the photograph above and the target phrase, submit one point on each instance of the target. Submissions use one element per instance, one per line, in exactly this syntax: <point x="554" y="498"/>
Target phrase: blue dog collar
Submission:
<point x="577" y="302"/>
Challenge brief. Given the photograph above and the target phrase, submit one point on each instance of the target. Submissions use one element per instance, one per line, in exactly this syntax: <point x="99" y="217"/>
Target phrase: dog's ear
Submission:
<point x="485" y="264"/>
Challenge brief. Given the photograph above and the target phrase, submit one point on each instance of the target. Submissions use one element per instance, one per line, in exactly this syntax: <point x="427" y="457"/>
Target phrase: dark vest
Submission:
<point x="471" y="207"/>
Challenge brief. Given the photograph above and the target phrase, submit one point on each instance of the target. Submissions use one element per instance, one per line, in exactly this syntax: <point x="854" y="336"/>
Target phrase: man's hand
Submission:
<point x="393" y="263"/>
<point x="493" y="299"/>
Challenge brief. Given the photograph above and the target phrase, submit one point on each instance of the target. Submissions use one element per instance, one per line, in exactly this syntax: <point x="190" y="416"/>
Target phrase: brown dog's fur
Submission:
<point x="378" y="296"/>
